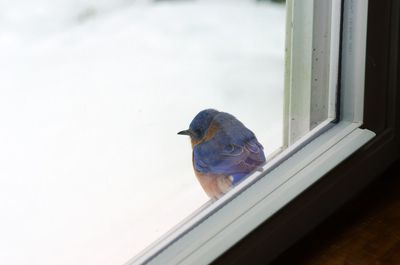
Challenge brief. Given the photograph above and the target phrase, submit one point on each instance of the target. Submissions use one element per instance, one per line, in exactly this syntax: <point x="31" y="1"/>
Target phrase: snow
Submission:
<point x="92" y="94"/>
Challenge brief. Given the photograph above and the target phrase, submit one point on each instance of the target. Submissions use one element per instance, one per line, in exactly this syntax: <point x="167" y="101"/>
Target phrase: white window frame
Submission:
<point x="311" y="64"/>
<point x="217" y="226"/>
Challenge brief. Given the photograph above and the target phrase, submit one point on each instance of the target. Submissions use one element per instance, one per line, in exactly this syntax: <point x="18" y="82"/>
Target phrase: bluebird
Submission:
<point x="224" y="151"/>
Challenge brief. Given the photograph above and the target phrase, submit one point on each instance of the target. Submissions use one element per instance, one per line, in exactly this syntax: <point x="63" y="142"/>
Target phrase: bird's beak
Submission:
<point x="185" y="132"/>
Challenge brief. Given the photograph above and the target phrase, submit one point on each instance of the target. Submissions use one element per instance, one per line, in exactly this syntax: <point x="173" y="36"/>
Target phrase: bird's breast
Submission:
<point x="214" y="185"/>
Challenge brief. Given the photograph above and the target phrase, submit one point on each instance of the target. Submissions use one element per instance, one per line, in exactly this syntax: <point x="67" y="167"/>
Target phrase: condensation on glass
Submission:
<point x="311" y="66"/>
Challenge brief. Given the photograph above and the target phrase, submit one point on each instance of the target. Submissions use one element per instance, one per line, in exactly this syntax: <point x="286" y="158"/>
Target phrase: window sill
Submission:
<point x="245" y="209"/>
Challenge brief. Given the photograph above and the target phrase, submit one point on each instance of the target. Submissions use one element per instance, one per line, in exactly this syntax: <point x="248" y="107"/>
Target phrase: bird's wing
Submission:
<point x="228" y="156"/>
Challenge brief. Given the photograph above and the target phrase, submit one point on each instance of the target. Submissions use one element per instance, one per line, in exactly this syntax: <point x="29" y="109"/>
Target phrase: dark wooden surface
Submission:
<point x="365" y="231"/>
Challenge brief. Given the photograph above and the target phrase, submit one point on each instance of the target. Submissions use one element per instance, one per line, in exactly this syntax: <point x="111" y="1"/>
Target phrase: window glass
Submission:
<point x="92" y="95"/>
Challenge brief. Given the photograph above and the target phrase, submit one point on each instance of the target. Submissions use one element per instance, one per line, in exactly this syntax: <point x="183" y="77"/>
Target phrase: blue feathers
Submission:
<point x="201" y="122"/>
<point x="224" y="151"/>
<point x="225" y="146"/>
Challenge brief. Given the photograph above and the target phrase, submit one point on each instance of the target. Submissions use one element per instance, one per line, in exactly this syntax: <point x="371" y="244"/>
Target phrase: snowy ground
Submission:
<point x="92" y="94"/>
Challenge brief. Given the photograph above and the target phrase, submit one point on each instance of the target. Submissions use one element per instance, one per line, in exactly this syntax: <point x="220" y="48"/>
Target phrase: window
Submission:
<point x="53" y="72"/>
<point x="319" y="147"/>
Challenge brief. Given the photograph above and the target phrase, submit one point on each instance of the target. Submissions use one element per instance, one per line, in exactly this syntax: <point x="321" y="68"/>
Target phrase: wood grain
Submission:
<point x="366" y="231"/>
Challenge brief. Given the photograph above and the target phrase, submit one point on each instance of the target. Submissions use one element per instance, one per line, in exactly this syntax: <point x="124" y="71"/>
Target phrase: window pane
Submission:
<point x="92" y="95"/>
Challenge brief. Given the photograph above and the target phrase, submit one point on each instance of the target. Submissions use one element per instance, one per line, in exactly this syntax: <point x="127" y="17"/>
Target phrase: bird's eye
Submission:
<point x="198" y="133"/>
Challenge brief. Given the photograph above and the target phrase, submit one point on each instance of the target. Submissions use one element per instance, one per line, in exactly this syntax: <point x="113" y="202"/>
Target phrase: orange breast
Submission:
<point x="214" y="185"/>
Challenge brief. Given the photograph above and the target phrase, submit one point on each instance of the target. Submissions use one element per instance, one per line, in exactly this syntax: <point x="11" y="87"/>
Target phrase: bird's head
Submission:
<point x="199" y="125"/>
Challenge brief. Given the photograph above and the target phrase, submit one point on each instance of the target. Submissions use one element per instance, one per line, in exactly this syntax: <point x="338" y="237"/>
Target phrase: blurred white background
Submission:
<point x="92" y="94"/>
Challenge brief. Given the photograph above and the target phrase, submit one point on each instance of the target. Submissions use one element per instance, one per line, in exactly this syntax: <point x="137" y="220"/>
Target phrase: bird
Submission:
<point x="224" y="151"/>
